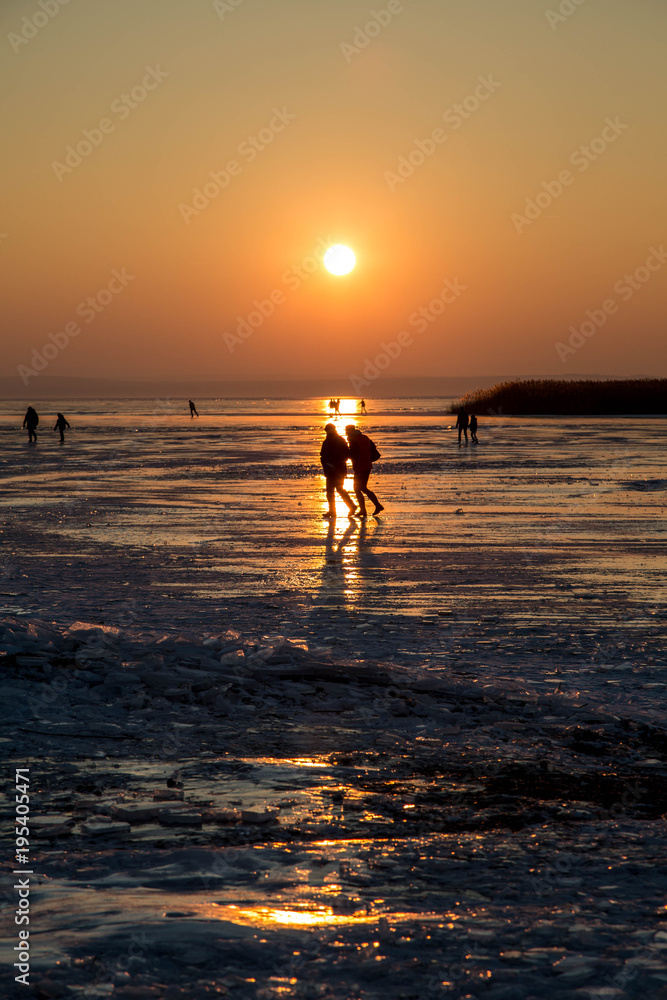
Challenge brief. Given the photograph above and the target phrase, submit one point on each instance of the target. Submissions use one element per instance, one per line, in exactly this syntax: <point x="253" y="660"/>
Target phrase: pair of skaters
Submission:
<point x="463" y="421"/>
<point x="31" y="422"/>
<point x="334" y="454"/>
<point x="334" y="406"/>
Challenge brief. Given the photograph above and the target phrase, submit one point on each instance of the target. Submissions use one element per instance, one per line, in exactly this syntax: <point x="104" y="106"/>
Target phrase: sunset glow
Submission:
<point x="515" y="163"/>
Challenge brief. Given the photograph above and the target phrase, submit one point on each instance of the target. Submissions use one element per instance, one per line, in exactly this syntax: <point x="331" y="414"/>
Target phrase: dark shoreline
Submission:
<point x="565" y="398"/>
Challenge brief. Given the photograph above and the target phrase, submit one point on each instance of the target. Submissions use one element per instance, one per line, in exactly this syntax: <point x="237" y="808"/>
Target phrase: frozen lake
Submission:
<point x="420" y="755"/>
<point x="546" y="538"/>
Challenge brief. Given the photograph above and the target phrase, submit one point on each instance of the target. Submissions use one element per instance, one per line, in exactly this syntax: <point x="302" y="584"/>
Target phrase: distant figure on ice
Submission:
<point x="193" y="409"/>
<point x="61" y="424"/>
<point x="334" y="454"/>
<point x="336" y="404"/>
<point x="30" y="421"/>
<point x="473" y="429"/>
<point x="362" y="406"/>
<point x="363" y="453"/>
<point x="462" y="424"/>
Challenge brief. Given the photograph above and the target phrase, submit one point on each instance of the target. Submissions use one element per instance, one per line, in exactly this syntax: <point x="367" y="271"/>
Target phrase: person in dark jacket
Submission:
<point x="61" y="424"/>
<point x="334" y="454"/>
<point x="462" y="424"/>
<point x="362" y="451"/>
<point x="473" y="429"/>
<point x="30" y="421"/>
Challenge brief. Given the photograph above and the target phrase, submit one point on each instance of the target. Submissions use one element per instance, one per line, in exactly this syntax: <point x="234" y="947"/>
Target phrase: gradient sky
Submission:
<point x="327" y="176"/>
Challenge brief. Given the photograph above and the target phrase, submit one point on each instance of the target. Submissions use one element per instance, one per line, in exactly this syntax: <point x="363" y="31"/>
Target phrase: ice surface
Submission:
<point x="422" y="756"/>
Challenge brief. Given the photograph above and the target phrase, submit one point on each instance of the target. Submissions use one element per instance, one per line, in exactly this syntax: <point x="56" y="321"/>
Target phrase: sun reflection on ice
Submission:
<point x="308" y="915"/>
<point x="267" y="915"/>
<point x="347" y="407"/>
<point x="308" y="762"/>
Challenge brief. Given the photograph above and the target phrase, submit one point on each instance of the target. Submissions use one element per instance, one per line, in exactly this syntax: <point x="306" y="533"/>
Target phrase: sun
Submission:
<point x="339" y="259"/>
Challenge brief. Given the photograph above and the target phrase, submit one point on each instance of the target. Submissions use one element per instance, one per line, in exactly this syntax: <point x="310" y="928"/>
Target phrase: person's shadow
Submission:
<point x="352" y="572"/>
<point x="334" y="581"/>
<point x="334" y="551"/>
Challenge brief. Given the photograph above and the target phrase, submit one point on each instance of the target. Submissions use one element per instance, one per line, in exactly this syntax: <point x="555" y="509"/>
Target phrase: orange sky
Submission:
<point x="340" y="104"/>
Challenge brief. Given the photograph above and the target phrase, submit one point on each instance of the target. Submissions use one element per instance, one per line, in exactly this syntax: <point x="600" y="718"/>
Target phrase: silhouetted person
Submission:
<point x="363" y="453"/>
<point x="193" y="409"/>
<point x="362" y="406"/>
<point x="61" y="424"/>
<point x="334" y="454"/>
<point x="462" y="424"/>
<point x="473" y="429"/>
<point x="30" y="421"/>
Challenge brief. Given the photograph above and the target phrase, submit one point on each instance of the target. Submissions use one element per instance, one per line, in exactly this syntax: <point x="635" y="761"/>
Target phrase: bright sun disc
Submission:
<point x="339" y="259"/>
